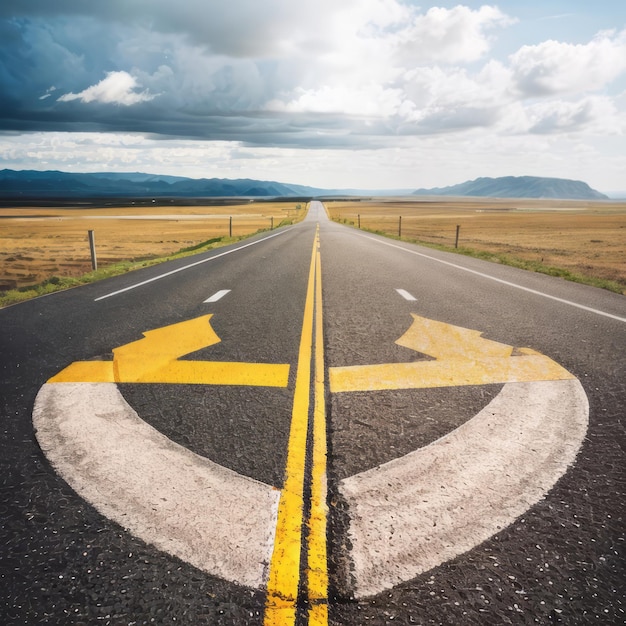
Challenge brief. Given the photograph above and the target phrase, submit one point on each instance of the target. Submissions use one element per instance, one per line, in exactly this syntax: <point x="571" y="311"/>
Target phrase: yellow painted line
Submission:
<point x="284" y="575"/>
<point x="446" y="341"/>
<point x="180" y="373"/>
<point x="451" y="373"/>
<point x="285" y="567"/>
<point x="317" y="583"/>
<point x="155" y="359"/>
<point x="463" y="357"/>
<point x="86" y="372"/>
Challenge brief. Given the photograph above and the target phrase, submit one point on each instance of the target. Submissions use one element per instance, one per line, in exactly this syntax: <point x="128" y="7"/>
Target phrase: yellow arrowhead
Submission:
<point x="445" y="341"/>
<point x="462" y="356"/>
<point x="155" y="359"/>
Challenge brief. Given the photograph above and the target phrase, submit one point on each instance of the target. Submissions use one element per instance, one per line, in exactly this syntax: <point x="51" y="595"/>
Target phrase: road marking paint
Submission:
<point x="285" y="568"/>
<point x="499" y="280"/>
<point x="89" y="433"/>
<point x="421" y="510"/>
<point x="463" y="357"/>
<point x="217" y="296"/>
<point x="155" y="359"/>
<point x="406" y="295"/>
<point x="418" y="511"/>
<point x="317" y="560"/>
<point x="182" y="503"/>
<point x="186" y="267"/>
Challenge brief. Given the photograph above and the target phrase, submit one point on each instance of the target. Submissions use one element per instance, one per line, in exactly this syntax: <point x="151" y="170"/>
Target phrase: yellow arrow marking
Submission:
<point x="462" y="356"/>
<point x="155" y="359"/>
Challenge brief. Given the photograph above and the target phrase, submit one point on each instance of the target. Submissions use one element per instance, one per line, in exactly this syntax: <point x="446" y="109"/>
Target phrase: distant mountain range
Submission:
<point x="519" y="187"/>
<point x="49" y="184"/>
<point x="32" y="184"/>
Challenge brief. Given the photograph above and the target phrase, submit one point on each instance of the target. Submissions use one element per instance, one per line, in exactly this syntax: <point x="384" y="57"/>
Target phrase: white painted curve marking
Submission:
<point x="406" y="295"/>
<point x="421" y="510"/>
<point x="190" y="265"/>
<point x="182" y="503"/>
<point x="217" y="296"/>
<point x="500" y="280"/>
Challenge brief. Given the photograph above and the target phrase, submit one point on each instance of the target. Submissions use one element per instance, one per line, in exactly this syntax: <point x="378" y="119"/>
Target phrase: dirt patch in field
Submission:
<point x="588" y="238"/>
<point x="37" y="243"/>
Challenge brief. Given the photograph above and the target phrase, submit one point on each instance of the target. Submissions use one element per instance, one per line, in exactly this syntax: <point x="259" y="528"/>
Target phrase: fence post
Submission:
<point x="359" y="220"/>
<point x="400" y="226"/>
<point x="230" y="226"/>
<point x="92" y="248"/>
<point x="456" y="241"/>
<point x="272" y="223"/>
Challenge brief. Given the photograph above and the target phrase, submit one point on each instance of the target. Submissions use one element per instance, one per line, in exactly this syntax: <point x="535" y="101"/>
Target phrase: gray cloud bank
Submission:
<point x="359" y="73"/>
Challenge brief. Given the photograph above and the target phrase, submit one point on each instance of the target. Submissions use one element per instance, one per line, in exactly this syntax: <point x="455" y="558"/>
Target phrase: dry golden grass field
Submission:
<point x="584" y="237"/>
<point x="37" y="243"/>
<point x="587" y="238"/>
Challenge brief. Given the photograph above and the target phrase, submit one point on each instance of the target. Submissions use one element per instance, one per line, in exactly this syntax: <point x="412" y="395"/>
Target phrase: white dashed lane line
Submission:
<point x="499" y="280"/>
<point x="217" y="296"/>
<point x="406" y="295"/>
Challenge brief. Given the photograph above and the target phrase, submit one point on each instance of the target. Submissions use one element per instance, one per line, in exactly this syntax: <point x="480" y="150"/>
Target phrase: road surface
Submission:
<point x="316" y="426"/>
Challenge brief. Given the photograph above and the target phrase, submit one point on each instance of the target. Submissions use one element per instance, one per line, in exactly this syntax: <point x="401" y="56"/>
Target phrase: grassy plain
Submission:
<point x="586" y="239"/>
<point x="39" y="243"/>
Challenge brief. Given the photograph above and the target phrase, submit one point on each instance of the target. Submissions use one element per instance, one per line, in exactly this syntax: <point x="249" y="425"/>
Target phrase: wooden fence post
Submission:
<point x="92" y="248"/>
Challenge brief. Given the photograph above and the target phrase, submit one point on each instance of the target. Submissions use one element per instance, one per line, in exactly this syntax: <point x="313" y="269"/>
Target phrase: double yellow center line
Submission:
<point x="301" y="529"/>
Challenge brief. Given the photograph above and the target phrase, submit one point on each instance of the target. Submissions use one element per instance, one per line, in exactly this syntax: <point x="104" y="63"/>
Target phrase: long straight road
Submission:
<point x="316" y="426"/>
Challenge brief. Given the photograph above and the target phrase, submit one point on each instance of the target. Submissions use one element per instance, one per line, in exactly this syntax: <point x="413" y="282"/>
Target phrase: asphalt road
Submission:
<point x="533" y="533"/>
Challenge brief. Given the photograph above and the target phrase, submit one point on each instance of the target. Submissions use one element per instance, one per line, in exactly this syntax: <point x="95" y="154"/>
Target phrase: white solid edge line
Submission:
<point x="499" y="280"/>
<point x="406" y="295"/>
<point x="217" y="296"/>
<point x="186" y="267"/>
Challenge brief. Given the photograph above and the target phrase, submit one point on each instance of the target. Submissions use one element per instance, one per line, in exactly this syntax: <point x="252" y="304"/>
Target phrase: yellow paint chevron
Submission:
<point x="463" y="357"/>
<point x="155" y="359"/>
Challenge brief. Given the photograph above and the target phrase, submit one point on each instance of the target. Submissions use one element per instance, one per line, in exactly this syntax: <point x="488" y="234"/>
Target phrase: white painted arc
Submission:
<point x="421" y="510"/>
<point x="184" y="504"/>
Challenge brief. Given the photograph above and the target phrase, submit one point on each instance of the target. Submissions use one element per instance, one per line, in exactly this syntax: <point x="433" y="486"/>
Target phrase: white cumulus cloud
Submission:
<point x="594" y="113"/>
<point x="554" y="67"/>
<point x="395" y="61"/>
<point x="457" y="35"/>
<point x="116" y="88"/>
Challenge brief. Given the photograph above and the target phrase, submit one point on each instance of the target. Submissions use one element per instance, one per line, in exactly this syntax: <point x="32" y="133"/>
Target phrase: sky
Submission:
<point x="368" y="94"/>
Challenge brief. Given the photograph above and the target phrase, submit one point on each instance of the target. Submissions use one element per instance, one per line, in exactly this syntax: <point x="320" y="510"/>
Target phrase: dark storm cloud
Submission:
<point x="164" y="68"/>
<point x="282" y="73"/>
<point x="235" y="28"/>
